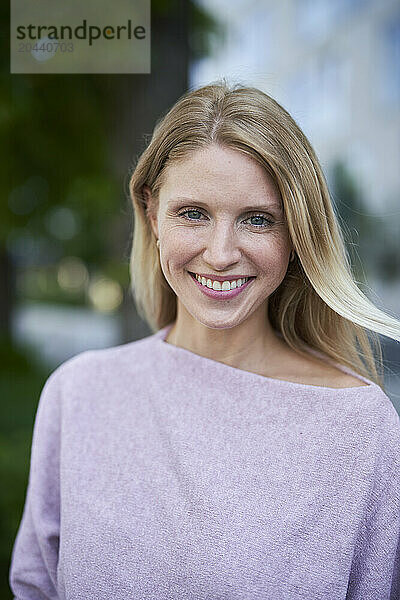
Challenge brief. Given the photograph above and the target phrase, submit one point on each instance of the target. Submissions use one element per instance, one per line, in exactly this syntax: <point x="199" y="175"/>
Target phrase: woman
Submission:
<point x="247" y="448"/>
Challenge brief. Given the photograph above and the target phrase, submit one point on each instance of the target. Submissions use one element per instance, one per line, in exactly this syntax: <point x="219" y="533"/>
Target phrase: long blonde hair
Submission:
<point x="318" y="303"/>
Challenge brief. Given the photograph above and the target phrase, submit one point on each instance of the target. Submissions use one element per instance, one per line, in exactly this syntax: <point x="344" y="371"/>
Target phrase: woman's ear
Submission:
<point x="151" y="212"/>
<point x="146" y="191"/>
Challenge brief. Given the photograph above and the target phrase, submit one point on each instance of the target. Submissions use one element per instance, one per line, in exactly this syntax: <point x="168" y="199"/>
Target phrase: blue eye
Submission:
<point x="267" y="222"/>
<point x="190" y="211"/>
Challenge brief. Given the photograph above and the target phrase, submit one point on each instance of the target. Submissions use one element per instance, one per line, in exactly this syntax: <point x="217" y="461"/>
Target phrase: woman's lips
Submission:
<point x="221" y="294"/>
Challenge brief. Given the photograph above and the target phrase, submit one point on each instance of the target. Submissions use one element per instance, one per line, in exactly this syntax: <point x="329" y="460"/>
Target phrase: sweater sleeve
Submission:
<point x="375" y="571"/>
<point x="34" y="559"/>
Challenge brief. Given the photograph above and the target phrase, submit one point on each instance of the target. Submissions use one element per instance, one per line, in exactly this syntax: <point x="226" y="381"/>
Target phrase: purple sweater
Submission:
<point x="159" y="474"/>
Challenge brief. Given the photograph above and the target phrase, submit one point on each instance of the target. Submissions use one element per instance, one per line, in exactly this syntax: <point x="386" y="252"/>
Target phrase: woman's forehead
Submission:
<point x="209" y="173"/>
<point x="216" y="158"/>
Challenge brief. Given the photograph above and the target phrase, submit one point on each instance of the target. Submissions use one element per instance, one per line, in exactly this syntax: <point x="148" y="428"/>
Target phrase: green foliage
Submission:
<point x="57" y="137"/>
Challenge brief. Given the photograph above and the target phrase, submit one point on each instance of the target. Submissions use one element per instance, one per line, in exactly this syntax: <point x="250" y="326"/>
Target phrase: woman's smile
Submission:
<point x="221" y="291"/>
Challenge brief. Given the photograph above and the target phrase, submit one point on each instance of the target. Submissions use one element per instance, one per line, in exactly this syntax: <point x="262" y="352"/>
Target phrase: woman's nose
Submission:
<point x="221" y="249"/>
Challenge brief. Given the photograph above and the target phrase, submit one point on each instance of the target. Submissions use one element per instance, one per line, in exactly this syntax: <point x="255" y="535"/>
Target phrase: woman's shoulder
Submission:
<point x="355" y="394"/>
<point x="317" y="369"/>
<point x="312" y="371"/>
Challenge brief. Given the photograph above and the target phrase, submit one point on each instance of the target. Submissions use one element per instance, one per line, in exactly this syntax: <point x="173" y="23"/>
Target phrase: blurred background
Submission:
<point x="70" y="141"/>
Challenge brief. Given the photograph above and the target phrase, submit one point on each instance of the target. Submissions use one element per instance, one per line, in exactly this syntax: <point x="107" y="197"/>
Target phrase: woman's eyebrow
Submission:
<point x="272" y="206"/>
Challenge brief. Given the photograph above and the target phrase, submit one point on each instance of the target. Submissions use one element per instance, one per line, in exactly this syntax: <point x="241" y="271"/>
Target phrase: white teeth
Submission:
<point x="221" y="286"/>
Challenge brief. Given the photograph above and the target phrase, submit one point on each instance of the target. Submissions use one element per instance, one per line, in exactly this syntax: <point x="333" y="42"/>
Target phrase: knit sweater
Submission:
<point x="158" y="474"/>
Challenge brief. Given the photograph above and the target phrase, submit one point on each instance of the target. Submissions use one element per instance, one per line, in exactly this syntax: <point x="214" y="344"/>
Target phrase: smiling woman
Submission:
<point x="231" y="186"/>
<point x="245" y="449"/>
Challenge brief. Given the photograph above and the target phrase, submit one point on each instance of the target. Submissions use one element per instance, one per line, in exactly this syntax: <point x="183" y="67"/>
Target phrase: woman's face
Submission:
<point x="221" y="214"/>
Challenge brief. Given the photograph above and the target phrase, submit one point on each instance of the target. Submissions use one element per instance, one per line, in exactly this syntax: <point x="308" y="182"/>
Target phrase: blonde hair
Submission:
<point x="318" y="303"/>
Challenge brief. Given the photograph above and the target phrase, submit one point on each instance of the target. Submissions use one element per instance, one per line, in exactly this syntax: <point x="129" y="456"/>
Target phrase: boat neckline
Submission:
<point x="162" y="333"/>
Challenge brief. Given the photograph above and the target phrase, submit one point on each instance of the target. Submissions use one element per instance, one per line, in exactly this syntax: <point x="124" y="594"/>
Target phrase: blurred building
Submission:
<point x="334" y="65"/>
